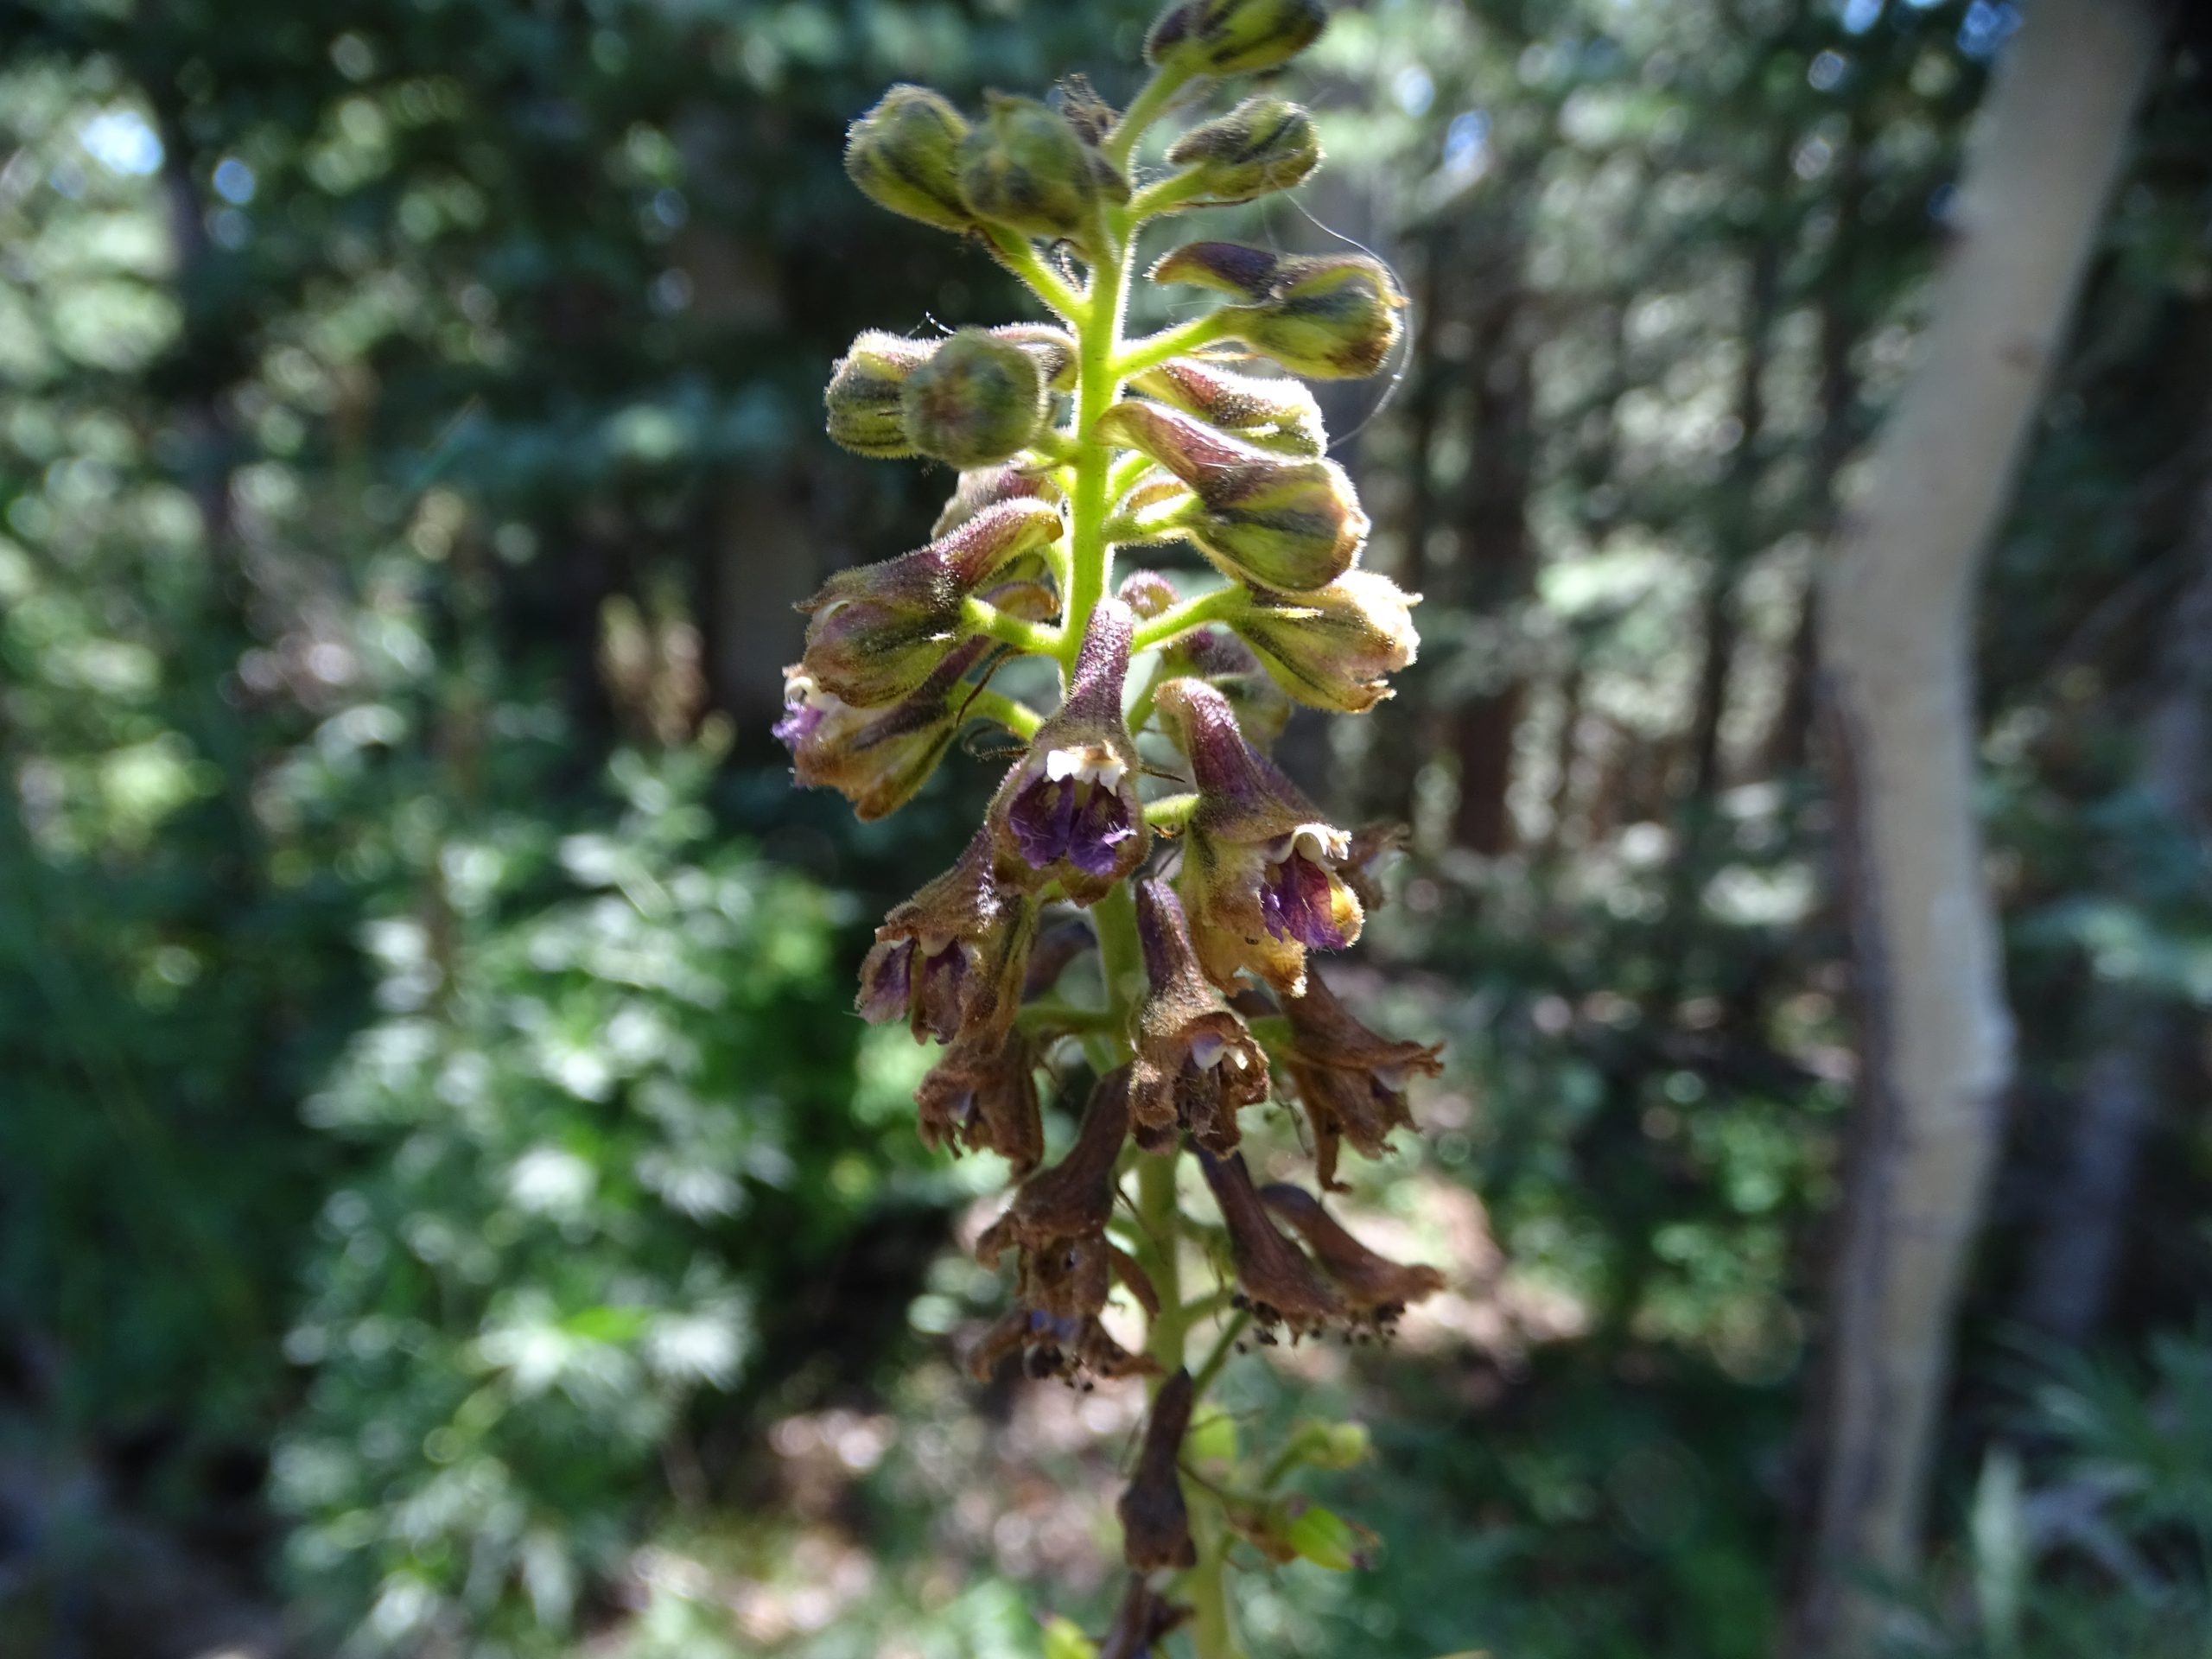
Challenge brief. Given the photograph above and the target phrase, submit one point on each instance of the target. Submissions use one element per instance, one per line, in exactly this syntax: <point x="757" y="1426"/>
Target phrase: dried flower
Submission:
<point x="1276" y="521"/>
<point x="1058" y="1296"/>
<point x="1155" y="1525"/>
<point x="878" y="631"/>
<point x="1233" y="37"/>
<point x="876" y="759"/>
<point x="1373" y="846"/>
<point x="1277" y="1282"/>
<point x="1328" y="316"/>
<point x="1376" y="1289"/>
<point x="1023" y="166"/>
<point x="1264" y="144"/>
<point x="1074" y="1198"/>
<point x="1196" y="1065"/>
<point x="1353" y="1081"/>
<point x="1332" y="648"/>
<point x="1145" y="1621"/>
<point x="982" y="1096"/>
<point x="1260" y="863"/>
<point x="1068" y="810"/>
<point x="902" y="154"/>
<point x="864" y="391"/>
<point x="978" y="400"/>
<point x="1274" y="412"/>
<point x="951" y="959"/>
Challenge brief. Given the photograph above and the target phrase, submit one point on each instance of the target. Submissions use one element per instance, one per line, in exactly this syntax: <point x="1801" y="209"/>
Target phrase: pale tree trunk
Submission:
<point x="2084" y="1215"/>
<point x="1895" y="606"/>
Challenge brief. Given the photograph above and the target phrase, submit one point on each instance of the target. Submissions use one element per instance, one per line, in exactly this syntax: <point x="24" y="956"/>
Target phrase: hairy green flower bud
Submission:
<point x="1262" y="145"/>
<point x="1026" y="167"/>
<point x="878" y="631"/>
<point x="977" y="401"/>
<point x="903" y="155"/>
<point x="1053" y="350"/>
<point x="1292" y="524"/>
<point x="986" y="486"/>
<point x="1332" y="648"/>
<point x="863" y="397"/>
<point x="1233" y="37"/>
<point x="1331" y="317"/>
<point x="1274" y="413"/>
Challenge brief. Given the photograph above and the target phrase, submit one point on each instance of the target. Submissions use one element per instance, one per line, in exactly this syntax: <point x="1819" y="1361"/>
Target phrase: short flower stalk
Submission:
<point x="1140" y="822"/>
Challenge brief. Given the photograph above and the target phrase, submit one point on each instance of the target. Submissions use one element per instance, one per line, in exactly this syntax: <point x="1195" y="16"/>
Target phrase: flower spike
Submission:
<point x="1352" y="1081"/>
<point x="1260" y="870"/>
<point x="1196" y="1065"/>
<point x="1068" y="810"/>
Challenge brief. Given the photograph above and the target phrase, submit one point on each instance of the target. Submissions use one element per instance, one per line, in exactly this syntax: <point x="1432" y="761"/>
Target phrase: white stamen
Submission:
<point x="1207" y="1048"/>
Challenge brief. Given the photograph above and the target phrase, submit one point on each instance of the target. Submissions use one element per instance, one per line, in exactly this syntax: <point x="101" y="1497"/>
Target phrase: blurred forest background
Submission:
<point x="446" y="1205"/>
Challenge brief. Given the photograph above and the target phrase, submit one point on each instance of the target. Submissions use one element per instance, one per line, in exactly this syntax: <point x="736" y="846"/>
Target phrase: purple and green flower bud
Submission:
<point x="1275" y="1281"/>
<point x="1375" y="1290"/>
<point x="1274" y="413"/>
<point x="1233" y="37"/>
<point x="1197" y="1066"/>
<point x="1155" y="1525"/>
<point x="1069" y="811"/>
<point x="1223" y="662"/>
<point x="876" y="759"/>
<point x="878" y="631"/>
<point x="950" y="961"/>
<point x="864" y="396"/>
<point x="986" y="486"/>
<point x="1264" y="145"/>
<point x="904" y="155"/>
<point x="1026" y="167"/>
<point x="1260" y="878"/>
<point x="978" y="400"/>
<point x="1054" y="351"/>
<point x="1327" y="316"/>
<point x="1275" y="521"/>
<point x="1335" y="648"/>
<point x="1352" y="1081"/>
<point x="1147" y="593"/>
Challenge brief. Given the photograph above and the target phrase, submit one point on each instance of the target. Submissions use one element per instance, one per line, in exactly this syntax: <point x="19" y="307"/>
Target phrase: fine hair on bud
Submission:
<point x="978" y="400"/>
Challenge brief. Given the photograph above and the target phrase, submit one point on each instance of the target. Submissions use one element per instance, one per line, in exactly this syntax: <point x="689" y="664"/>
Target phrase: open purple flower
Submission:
<point x="1260" y="866"/>
<point x="1068" y="810"/>
<point x="951" y="959"/>
<point x="1196" y="1066"/>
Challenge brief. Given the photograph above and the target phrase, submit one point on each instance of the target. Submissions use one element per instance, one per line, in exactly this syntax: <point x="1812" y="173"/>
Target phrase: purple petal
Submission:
<point x="1294" y="903"/>
<point x="1100" y="827"/>
<point x="1042" y="818"/>
<point x="945" y="977"/>
<point x="887" y="979"/>
<point x="797" y="724"/>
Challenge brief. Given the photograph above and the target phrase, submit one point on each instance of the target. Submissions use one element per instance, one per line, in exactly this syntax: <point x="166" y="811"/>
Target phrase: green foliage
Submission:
<point x="567" y="1115"/>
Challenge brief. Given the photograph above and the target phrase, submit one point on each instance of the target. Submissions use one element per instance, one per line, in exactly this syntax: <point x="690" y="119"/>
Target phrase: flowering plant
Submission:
<point x="1204" y="902"/>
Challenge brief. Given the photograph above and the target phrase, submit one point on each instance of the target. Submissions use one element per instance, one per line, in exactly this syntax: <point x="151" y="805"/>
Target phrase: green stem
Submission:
<point x="1038" y="641"/>
<point x="1155" y="349"/>
<point x="1221" y="603"/>
<point x="1013" y="251"/>
<point x="1171" y="812"/>
<point x="1146" y="108"/>
<point x="1017" y="717"/>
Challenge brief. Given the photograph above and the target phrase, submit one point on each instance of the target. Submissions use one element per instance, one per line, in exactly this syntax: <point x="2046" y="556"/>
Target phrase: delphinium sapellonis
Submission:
<point x="1143" y="820"/>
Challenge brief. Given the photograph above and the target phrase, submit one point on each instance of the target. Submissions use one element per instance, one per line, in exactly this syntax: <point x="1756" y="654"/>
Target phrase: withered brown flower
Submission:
<point x="1074" y="1198"/>
<point x="1277" y="1284"/>
<point x="952" y="958"/>
<point x="982" y="1096"/>
<point x="1352" y="1080"/>
<point x="1376" y="1289"/>
<point x="1155" y="1526"/>
<point x="1196" y="1065"/>
<point x="1058" y="1296"/>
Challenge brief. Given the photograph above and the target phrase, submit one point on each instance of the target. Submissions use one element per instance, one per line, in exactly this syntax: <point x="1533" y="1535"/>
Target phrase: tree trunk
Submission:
<point x="1895" y="603"/>
<point x="2069" y="1269"/>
